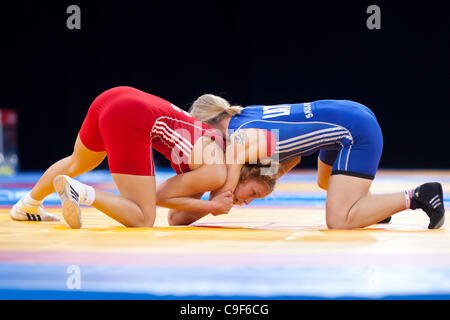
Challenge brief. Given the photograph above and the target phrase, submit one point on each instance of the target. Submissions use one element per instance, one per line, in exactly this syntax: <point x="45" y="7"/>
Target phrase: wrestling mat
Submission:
<point x="275" y="248"/>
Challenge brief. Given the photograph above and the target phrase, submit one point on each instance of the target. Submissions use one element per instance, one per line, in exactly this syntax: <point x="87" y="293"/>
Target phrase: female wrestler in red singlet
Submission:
<point x="123" y="124"/>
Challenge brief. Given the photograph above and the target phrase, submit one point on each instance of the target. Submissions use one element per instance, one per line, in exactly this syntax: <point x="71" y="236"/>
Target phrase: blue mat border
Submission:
<point x="88" y="295"/>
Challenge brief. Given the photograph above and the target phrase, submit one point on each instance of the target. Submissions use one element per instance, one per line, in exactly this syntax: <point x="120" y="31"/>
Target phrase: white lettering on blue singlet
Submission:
<point x="307" y="110"/>
<point x="276" y="111"/>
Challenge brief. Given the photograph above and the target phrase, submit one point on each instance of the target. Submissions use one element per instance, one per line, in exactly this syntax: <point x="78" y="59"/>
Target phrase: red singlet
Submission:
<point x="127" y="123"/>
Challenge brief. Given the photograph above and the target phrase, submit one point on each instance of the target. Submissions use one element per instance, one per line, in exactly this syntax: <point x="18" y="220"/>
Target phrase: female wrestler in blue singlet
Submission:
<point x="349" y="141"/>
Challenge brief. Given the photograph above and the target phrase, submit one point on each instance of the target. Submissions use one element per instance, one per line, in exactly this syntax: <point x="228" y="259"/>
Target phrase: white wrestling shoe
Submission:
<point x="71" y="193"/>
<point x="26" y="212"/>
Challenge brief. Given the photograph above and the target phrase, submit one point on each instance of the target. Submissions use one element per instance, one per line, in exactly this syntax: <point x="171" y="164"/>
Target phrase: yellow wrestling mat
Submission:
<point x="278" y="248"/>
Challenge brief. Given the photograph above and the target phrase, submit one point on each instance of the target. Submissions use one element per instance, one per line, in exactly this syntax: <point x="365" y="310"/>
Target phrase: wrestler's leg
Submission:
<point x="350" y="205"/>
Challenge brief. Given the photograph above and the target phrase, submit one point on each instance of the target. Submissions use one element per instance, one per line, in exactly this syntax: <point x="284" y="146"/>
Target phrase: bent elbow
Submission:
<point x="172" y="219"/>
<point x="176" y="219"/>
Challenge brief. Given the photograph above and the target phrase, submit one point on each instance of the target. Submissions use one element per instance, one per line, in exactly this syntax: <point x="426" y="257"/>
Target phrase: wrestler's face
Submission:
<point x="248" y="190"/>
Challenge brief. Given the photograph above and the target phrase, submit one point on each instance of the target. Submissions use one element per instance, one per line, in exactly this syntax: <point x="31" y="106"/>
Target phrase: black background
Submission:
<point x="250" y="52"/>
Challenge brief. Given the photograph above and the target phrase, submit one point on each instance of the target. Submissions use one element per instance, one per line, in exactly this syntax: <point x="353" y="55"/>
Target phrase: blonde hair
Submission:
<point x="212" y="109"/>
<point x="256" y="172"/>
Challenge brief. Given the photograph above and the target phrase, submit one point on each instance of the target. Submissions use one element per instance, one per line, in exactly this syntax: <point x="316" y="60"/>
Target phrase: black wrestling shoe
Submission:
<point x="387" y="220"/>
<point x="429" y="198"/>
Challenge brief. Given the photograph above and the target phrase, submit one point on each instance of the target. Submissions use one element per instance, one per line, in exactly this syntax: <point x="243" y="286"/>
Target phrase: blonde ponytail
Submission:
<point x="212" y="109"/>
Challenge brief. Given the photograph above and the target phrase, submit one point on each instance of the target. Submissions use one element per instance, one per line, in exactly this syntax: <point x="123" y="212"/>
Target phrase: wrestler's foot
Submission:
<point x="429" y="198"/>
<point x="71" y="193"/>
<point x="22" y="211"/>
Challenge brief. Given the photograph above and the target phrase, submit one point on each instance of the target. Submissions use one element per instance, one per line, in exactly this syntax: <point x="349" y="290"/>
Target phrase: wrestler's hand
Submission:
<point x="222" y="203"/>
